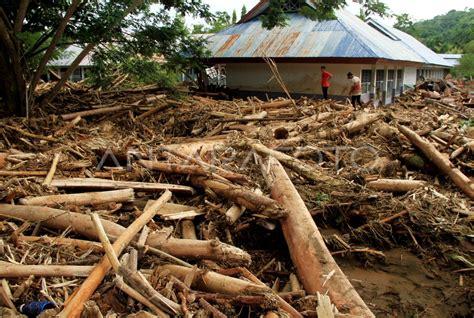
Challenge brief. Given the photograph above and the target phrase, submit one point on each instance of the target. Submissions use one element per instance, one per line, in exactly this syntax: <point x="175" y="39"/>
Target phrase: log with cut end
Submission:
<point x="242" y="196"/>
<point x="82" y="224"/>
<point x="392" y="185"/>
<point x="190" y="248"/>
<point x="298" y="166"/>
<point x="194" y="170"/>
<point x="103" y="184"/>
<point x="350" y="128"/>
<point x="441" y="161"/>
<point x="214" y="282"/>
<point x="309" y="253"/>
<point x="91" y="198"/>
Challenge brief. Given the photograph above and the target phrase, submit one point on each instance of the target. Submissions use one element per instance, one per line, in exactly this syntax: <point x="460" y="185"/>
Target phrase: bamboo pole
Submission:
<point x="441" y="161"/>
<point x="52" y="170"/>
<point x="315" y="266"/>
<point x="74" y="307"/>
<point x="91" y="198"/>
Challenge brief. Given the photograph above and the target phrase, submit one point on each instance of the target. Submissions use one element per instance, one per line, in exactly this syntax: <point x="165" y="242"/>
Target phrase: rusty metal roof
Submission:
<point x="345" y="37"/>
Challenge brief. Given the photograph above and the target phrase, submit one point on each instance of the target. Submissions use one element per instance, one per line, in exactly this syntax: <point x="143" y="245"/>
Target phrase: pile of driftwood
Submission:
<point x="145" y="204"/>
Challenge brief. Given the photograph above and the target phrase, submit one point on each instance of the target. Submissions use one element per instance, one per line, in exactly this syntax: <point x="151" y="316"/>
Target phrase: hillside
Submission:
<point x="447" y="33"/>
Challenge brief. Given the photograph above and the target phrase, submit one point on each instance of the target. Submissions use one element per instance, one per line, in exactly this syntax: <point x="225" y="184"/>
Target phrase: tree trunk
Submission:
<point x="12" y="83"/>
<point x="20" y="16"/>
<point x="52" y="94"/>
<point x="49" y="52"/>
<point x="308" y="251"/>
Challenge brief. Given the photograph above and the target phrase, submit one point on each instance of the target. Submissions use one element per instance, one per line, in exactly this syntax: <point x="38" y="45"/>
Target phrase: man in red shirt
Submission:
<point x="325" y="77"/>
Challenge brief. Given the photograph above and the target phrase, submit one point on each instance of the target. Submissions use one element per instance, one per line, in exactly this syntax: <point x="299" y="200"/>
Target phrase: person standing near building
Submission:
<point x="325" y="77"/>
<point x="356" y="90"/>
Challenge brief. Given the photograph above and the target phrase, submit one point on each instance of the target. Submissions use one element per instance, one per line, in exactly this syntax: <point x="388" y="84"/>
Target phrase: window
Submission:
<point x="390" y="81"/>
<point x="76" y="75"/>
<point x="399" y="80"/>
<point x="379" y="80"/>
<point x="365" y="81"/>
<point x="377" y="26"/>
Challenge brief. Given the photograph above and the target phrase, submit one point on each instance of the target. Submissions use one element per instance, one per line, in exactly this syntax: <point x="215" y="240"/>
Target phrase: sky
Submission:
<point x="417" y="9"/>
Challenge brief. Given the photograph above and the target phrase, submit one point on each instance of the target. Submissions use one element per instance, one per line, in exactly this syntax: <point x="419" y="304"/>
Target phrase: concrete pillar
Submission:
<point x="395" y="80"/>
<point x="373" y="86"/>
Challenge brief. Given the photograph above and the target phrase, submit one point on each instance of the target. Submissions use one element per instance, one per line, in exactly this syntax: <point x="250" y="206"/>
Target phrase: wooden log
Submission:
<point x="81" y="224"/>
<point x="441" y="161"/>
<point x="242" y="196"/>
<point x="194" y="170"/>
<point x="103" y="184"/>
<point x="311" y="257"/>
<point x="58" y="219"/>
<point x="392" y="185"/>
<point x="272" y="105"/>
<point x="9" y="270"/>
<point x="153" y="111"/>
<point x="298" y="166"/>
<point x="234" y="213"/>
<point x="73" y="308"/>
<point x="94" y="112"/>
<point x="214" y="282"/>
<point x="52" y="241"/>
<point x="208" y="167"/>
<point x="91" y="198"/>
<point x="188" y="230"/>
<point x="350" y="128"/>
<point x="62" y="131"/>
<point x="213" y="249"/>
<point x="8" y="173"/>
<point x="29" y="135"/>
<point x="216" y="313"/>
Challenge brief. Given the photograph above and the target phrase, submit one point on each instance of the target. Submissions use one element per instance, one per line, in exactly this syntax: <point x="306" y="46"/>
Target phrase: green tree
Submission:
<point x="31" y="33"/>
<point x="448" y="33"/>
<point x="219" y="21"/>
<point x="466" y="63"/>
<point x="404" y="23"/>
<point x="243" y="11"/>
<point x="234" y="17"/>
<point x="374" y="7"/>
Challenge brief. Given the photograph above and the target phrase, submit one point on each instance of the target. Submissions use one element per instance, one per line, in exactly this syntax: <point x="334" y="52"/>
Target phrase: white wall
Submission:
<point x="299" y="78"/>
<point x="410" y="76"/>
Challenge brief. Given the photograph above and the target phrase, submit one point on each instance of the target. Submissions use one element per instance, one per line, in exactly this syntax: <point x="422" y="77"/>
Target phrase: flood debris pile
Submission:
<point x="140" y="203"/>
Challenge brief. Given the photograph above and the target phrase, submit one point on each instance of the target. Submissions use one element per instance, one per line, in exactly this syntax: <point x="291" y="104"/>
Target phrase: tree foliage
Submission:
<point x="447" y="33"/>
<point x="243" y="11"/>
<point x="466" y="63"/>
<point x="374" y="7"/>
<point x="130" y="26"/>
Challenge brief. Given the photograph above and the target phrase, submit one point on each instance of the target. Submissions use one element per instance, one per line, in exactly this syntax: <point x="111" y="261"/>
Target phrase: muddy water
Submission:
<point x="406" y="286"/>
